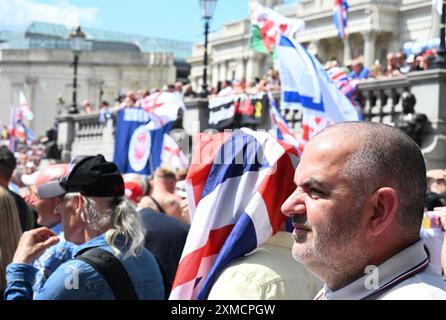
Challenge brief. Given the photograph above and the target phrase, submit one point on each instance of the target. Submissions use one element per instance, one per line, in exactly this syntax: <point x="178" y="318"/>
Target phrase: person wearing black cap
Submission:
<point x="7" y="166"/>
<point x="95" y="214"/>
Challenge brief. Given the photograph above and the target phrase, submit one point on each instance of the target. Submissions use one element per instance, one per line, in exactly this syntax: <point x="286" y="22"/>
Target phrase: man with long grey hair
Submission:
<point x="95" y="216"/>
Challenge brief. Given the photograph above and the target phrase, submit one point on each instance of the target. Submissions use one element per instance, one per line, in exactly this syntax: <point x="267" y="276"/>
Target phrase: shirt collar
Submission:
<point x="393" y="271"/>
<point x="95" y="242"/>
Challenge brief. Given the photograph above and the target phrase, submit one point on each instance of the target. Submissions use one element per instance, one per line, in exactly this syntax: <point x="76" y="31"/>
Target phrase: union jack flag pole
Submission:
<point x="340" y="17"/>
<point x="340" y="10"/>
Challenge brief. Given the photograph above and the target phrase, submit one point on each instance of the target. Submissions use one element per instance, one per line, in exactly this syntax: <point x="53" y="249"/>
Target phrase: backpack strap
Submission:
<point x="106" y="264"/>
<point x="157" y="204"/>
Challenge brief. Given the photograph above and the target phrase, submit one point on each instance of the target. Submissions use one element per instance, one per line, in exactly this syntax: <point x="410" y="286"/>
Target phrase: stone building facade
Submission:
<point x="375" y="28"/>
<point x="40" y="64"/>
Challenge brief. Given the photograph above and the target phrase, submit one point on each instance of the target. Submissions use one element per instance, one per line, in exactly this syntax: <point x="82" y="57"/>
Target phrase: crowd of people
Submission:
<point x="363" y="198"/>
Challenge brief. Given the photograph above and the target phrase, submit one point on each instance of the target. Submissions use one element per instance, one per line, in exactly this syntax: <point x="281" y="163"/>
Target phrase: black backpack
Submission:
<point x="106" y="264"/>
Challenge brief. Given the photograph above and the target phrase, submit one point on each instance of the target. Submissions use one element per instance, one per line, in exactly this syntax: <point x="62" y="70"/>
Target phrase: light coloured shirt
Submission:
<point x="405" y="276"/>
<point x="267" y="273"/>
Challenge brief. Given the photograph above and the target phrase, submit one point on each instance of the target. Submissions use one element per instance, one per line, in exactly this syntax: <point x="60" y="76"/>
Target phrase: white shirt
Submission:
<point x="405" y="276"/>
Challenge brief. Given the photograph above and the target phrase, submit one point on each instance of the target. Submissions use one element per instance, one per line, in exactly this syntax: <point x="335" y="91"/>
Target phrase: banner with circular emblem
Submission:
<point x="139" y="148"/>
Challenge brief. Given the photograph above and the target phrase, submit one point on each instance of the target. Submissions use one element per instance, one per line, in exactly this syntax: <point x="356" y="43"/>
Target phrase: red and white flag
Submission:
<point x="172" y="154"/>
<point x="162" y="108"/>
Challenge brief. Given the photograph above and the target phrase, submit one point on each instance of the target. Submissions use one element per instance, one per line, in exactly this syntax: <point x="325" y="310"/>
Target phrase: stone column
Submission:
<point x="347" y="50"/>
<point x="240" y="71"/>
<point x="223" y="71"/>
<point x="253" y="66"/>
<point x="65" y="136"/>
<point x="31" y="82"/>
<point x="215" y="76"/>
<point x="369" y="47"/>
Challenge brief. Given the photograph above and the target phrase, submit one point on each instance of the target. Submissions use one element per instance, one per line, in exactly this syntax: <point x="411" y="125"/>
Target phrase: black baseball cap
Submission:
<point x="90" y="175"/>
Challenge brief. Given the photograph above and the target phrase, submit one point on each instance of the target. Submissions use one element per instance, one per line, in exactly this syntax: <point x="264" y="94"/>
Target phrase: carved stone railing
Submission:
<point x="83" y="134"/>
<point x="383" y="104"/>
<point x="381" y="99"/>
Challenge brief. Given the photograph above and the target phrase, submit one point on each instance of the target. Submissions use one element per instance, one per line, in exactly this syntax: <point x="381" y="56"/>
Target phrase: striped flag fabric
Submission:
<point x="282" y="131"/>
<point x="340" y="10"/>
<point x="347" y="86"/>
<point x="266" y="25"/>
<point x="233" y="209"/>
<point x="306" y="85"/>
<point x="17" y="130"/>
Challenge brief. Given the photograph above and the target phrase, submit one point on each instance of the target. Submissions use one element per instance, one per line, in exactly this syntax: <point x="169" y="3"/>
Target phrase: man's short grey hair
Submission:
<point x="118" y="218"/>
<point x="385" y="156"/>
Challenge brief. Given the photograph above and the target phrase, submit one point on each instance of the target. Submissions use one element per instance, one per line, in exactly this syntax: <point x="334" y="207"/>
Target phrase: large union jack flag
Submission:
<point x="236" y="185"/>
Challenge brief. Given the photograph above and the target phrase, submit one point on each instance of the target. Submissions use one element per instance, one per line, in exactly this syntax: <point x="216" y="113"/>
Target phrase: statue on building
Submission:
<point x="409" y="121"/>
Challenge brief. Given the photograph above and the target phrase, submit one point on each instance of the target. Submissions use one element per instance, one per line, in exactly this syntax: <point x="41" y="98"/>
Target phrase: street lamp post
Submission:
<point x="207" y="11"/>
<point x="440" y="60"/>
<point x="77" y="39"/>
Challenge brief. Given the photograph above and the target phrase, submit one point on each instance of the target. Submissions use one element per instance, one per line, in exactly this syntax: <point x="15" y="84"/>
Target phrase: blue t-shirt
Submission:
<point x="363" y="74"/>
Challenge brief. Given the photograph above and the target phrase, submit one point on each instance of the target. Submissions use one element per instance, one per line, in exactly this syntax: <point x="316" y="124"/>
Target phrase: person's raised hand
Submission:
<point x="33" y="243"/>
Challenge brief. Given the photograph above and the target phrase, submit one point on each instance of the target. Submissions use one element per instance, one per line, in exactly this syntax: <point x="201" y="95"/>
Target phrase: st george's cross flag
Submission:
<point x="162" y="108"/>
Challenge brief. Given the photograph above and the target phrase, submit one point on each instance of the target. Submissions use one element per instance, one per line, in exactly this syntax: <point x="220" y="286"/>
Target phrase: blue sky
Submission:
<point x="173" y="19"/>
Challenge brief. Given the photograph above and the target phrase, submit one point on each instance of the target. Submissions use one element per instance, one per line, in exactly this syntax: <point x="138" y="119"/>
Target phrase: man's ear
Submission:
<point x="384" y="203"/>
<point x="78" y="204"/>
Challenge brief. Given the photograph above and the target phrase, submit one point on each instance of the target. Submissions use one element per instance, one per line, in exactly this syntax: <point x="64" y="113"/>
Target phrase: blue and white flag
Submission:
<point x="282" y="130"/>
<point x="137" y="147"/>
<point x="307" y="87"/>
